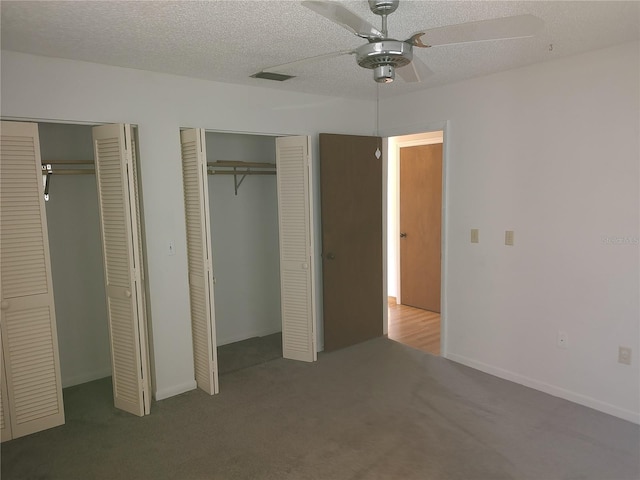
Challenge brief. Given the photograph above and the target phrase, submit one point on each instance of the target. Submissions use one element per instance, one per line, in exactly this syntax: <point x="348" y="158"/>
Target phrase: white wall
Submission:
<point x="244" y="236"/>
<point x="35" y="87"/>
<point x="76" y="258"/>
<point x="552" y="152"/>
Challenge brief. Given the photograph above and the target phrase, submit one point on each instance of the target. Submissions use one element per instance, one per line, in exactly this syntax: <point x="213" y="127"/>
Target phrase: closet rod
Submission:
<point x="72" y="171"/>
<point x="239" y="172"/>
<point x="68" y="162"/>
<point x="233" y="163"/>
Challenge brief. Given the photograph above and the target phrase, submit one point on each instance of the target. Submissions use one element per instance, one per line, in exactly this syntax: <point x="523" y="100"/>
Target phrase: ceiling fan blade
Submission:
<point x="343" y="17"/>
<point x="416" y="71"/>
<point x="518" y="26"/>
<point x="296" y="63"/>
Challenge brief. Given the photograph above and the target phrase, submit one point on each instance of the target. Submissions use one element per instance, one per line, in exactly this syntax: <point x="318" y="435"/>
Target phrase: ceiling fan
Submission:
<point x="387" y="56"/>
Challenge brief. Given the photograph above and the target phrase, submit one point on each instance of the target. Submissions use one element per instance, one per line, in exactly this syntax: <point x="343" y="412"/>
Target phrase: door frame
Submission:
<point x="398" y="132"/>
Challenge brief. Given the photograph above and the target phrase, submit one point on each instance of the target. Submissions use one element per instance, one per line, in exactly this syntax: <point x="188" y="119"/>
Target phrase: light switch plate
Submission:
<point x="475" y="235"/>
<point x="624" y="355"/>
<point x="508" y="237"/>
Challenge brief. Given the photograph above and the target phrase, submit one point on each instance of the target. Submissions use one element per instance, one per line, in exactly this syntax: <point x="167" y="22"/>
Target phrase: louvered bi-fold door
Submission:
<point x="121" y="249"/>
<point x="196" y="203"/>
<point x="33" y="397"/>
<point x="293" y="160"/>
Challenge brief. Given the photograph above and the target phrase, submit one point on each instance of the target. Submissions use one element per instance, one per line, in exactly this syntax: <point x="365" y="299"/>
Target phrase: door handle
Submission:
<point x="403" y="234"/>
<point x="330" y="256"/>
<point x="127" y="293"/>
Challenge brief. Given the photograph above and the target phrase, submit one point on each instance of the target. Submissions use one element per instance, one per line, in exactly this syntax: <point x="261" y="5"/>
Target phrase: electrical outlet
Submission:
<point x="624" y="355"/>
<point x="563" y="340"/>
<point x="475" y="235"/>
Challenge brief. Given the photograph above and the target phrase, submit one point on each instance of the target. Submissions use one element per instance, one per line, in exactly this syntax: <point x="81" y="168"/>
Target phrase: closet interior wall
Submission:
<point x="76" y="257"/>
<point x="244" y="236"/>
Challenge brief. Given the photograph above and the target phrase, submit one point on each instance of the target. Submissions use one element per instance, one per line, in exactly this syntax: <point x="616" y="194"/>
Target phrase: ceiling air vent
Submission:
<point x="278" y="77"/>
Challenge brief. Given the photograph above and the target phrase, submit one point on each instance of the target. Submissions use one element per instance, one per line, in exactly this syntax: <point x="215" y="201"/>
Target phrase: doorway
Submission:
<point x="414" y="239"/>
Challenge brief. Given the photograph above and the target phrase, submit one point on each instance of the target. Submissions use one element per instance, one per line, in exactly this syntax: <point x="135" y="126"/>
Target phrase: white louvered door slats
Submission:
<point x="122" y="265"/>
<point x="296" y="252"/>
<point x="33" y="397"/>
<point x="196" y="202"/>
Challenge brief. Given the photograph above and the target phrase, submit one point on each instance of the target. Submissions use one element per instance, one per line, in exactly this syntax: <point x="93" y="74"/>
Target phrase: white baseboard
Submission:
<point x="548" y="388"/>
<point x="86" y="377"/>
<point x="174" y="390"/>
<point x="248" y="335"/>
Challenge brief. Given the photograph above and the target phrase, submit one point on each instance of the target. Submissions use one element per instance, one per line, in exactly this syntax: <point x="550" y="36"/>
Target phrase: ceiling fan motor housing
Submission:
<point x="387" y="52"/>
<point x="384" y="57"/>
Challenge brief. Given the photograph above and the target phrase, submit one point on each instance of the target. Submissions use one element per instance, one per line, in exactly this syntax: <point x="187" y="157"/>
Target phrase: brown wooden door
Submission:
<point x="420" y="225"/>
<point x="351" y="193"/>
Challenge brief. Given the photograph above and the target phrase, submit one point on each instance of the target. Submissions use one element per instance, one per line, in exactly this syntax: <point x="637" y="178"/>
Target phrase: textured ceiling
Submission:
<point x="229" y="40"/>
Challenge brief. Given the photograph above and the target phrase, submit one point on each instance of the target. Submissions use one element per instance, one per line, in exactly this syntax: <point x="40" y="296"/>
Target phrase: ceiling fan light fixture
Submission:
<point x="384" y="73"/>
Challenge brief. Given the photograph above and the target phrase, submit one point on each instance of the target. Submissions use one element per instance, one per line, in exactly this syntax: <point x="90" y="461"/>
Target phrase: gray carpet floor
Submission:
<point x="250" y="352"/>
<point x="378" y="410"/>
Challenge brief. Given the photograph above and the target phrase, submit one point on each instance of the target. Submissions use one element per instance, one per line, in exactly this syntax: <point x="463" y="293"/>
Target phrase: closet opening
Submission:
<point x="77" y="245"/>
<point x="248" y="205"/>
<point x="76" y="258"/>
<point x="243" y="207"/>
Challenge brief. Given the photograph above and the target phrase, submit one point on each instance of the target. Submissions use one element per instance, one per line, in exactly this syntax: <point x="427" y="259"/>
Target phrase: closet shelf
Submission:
<point x="68" y="162"/>
<point x="71" y="171"/>
<point x="236" y="168"/>
<point x="67" y="168"/>
<point x="242" y="172"/>
<point x="237" y="164"/>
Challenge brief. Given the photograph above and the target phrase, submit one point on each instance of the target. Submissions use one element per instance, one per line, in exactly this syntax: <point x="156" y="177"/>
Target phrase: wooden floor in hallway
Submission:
<point x="414" y="327"/>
